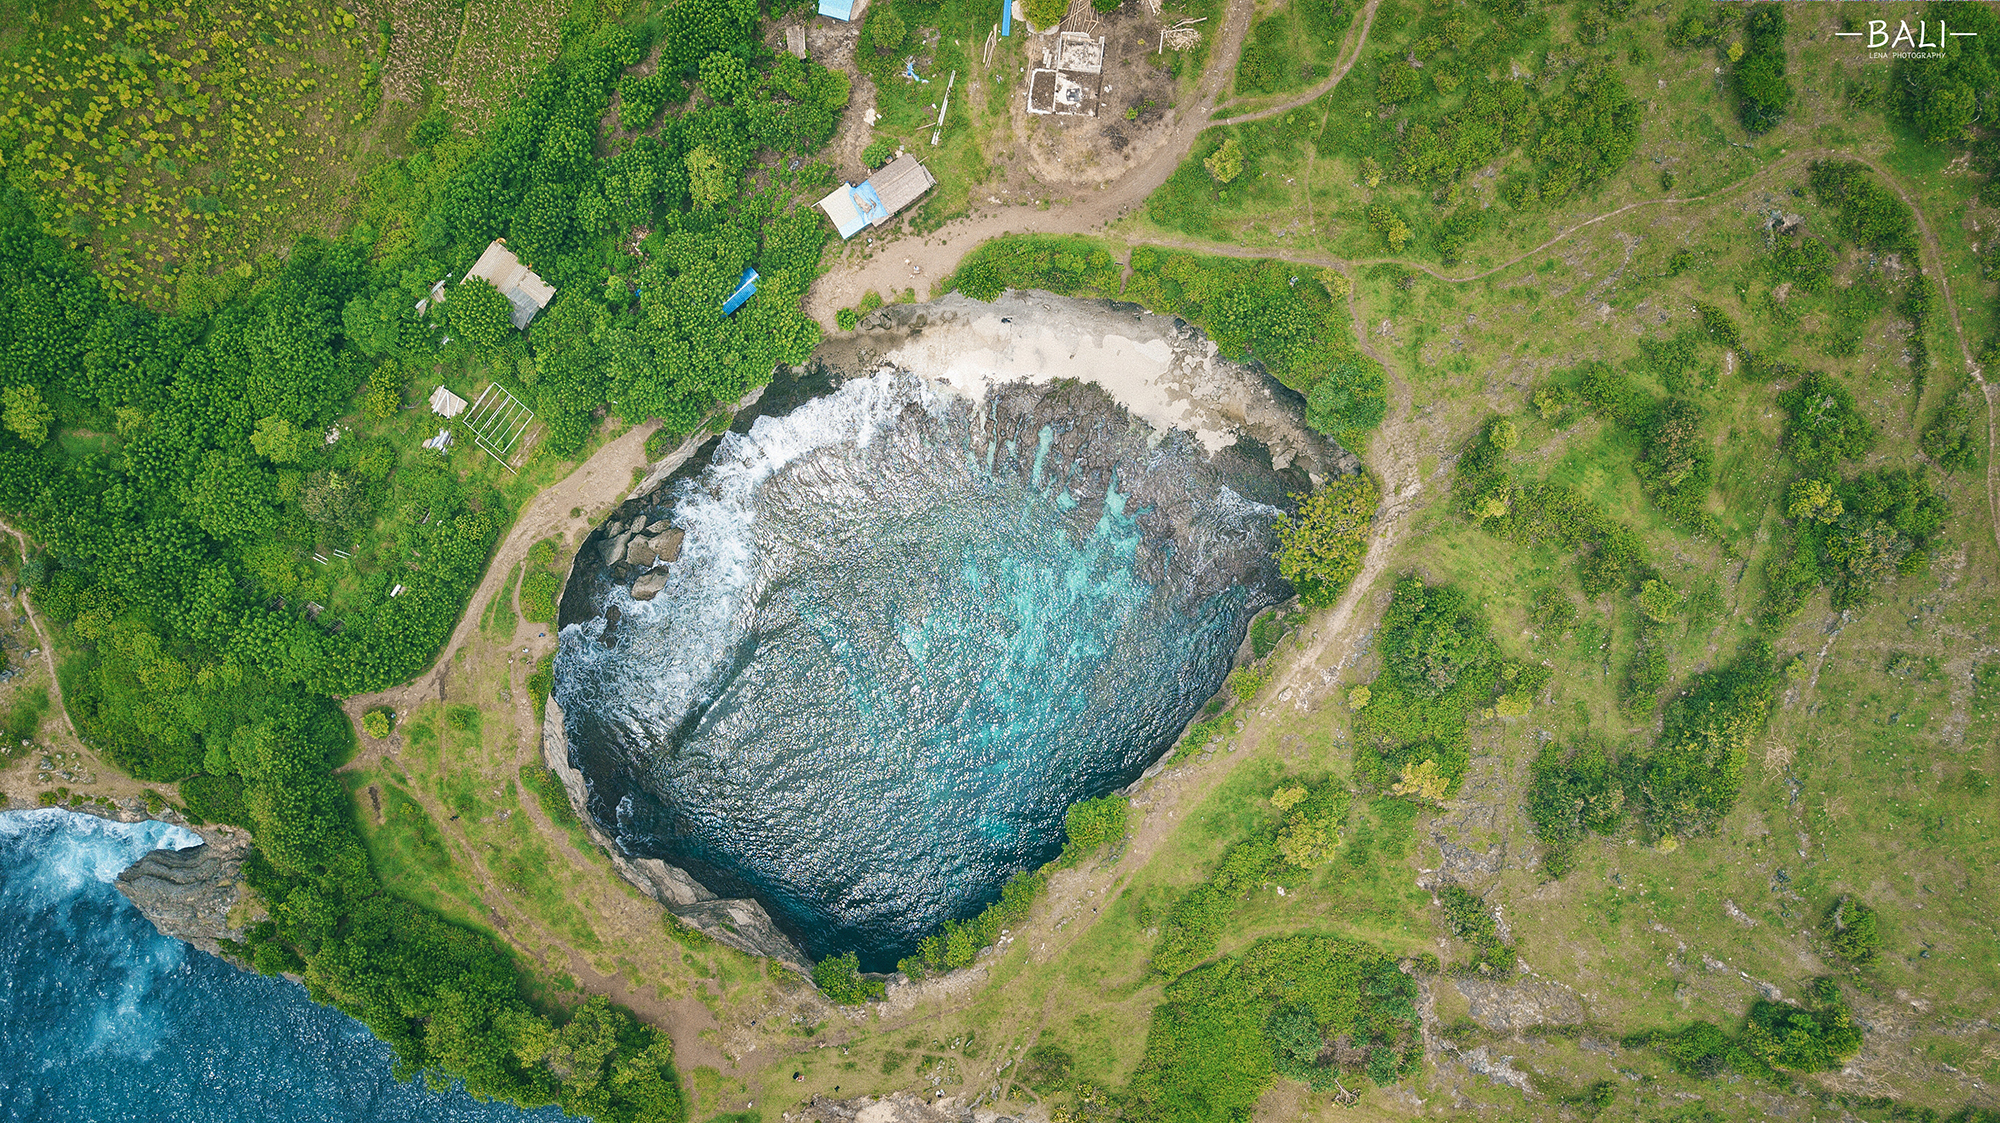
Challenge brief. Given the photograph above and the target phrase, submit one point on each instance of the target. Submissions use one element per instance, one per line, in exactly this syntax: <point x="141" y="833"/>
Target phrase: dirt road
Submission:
<point x="914" y="262"/>
<point x="567" y="509"/>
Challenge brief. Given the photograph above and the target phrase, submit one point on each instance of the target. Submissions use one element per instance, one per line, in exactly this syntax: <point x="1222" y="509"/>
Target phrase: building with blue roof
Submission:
<point x="901" y="181"/>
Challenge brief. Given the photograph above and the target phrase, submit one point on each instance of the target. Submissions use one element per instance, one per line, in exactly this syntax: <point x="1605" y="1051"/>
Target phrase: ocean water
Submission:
<point x="906" y="633"/>
<point x="104" y="1019"/>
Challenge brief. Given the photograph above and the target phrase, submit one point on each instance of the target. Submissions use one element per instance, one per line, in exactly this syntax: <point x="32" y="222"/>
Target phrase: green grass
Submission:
<point x="205" y="150"/>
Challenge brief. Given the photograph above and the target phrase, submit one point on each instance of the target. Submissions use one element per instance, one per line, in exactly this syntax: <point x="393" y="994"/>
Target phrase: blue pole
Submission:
<point x="1007" y="18"/>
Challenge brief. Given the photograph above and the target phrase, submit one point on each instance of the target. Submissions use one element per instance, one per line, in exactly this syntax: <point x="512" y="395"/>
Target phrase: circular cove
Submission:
<point x="900" y="633"/>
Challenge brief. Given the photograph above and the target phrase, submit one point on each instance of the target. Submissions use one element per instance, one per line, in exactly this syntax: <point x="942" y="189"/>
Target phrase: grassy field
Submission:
<point x="179" y="144"/>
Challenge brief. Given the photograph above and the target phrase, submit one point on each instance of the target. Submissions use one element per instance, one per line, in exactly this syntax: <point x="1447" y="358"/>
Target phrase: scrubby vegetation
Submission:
<point x="1320" y="548"/>
<point x="1775" y="1035"/>
<point x="1762" y="91"/>
<point x="1441" y="668"/>
<point x="1575" y="791"/>
<point x="1089" y="826"/>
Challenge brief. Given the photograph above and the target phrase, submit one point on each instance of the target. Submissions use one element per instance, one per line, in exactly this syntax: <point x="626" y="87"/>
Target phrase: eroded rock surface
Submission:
<point x="190" y="894"/>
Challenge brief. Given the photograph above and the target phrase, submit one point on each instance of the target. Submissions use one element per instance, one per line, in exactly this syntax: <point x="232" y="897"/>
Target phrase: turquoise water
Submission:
<point x="905" y="635"/>
<point x="104" y="1019"/>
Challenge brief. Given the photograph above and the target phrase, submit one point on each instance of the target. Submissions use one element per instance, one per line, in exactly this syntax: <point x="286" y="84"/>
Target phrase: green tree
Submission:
<point x="375" y="323"/>
<point x="1321" y="548"/>
<point x="25" y="414"/>
<point x="839" y="978"/>
<point x="708" y="180"/>
<point x="1226" y="162"/>
<point x="724" y="77"/>
<point x="280" y="441"/>
<point x="479" y="313"/>
<point x="1851" y="927"/>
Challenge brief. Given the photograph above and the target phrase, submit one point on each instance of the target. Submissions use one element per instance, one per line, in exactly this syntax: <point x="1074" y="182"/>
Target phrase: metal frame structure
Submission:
<point x="497" y="421"/>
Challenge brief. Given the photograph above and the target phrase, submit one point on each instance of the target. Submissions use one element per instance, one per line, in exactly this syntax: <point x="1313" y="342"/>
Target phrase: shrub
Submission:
<point x="1851" y="928"/>
<point x="1223" y="1031"/>
<point x="1648" y="673"/>
<point x="1949" y="438"/>
<point x="1691" y="776"/>
<point x="1313" y="820"/>
<point x="847" y="319"/>
<point x="879" y="152"/>
<point x="1321" y="549"/>
<point x="1094" y="823"/>
<point x="1390" y="225"/>
<point x="1866" y="213"/>
<point x="838" y="977"/>
<point x="1786" y="1036"/>
<point x="1573" y="792"/>
<point x="1245" y="866"/>
<point x="1226" y="163"/>
<point x="1348" y="401"/>
<point x="1432" y="637"/>
<point x="1045" y="14"/>
<point x="1469" y="919"/>
<point x="1762" y="91"/>
<point x="378" y="723"/>
<point x="1822" y="425"/>
<point x="1191" y="931"/>
<point x="1659" y="601"/>
<point x="538" y="595"/>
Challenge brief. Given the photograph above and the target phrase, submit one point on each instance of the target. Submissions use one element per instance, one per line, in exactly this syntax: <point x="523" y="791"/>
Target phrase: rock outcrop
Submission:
<point x="190" y="894"/>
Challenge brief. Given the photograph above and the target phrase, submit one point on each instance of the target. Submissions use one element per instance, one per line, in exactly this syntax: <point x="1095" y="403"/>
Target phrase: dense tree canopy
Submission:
<point x="182" y="530"/>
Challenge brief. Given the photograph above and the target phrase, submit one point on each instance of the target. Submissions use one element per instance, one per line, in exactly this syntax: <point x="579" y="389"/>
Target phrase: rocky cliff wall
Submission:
<point x="737" y="922"/>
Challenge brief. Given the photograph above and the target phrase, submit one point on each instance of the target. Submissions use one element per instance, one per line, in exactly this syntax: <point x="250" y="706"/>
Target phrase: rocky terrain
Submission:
<point x="192" y="895"/>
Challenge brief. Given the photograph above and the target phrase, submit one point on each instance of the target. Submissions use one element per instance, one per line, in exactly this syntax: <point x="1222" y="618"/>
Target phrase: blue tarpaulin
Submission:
<point x="1007" y="17"/>
<point x="746" y="287"/>
<point x="838" y="9"/>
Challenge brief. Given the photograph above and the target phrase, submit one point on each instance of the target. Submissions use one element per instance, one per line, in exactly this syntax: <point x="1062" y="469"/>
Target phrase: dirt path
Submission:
<point x="912" y="262"/>
<point x="1324" y="88"/>
<point x="42" y="635"/>
<point x="576" y="503"/>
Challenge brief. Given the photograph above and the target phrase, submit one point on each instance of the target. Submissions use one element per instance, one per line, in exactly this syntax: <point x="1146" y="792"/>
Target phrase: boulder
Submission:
<point x="658" y="526"/>
<point x="649" y="585"/>
<point x="640" y="553"/>
<point x="614" y="549"/>
<point x="667" y="546"/>
<point x="189" y="894"/>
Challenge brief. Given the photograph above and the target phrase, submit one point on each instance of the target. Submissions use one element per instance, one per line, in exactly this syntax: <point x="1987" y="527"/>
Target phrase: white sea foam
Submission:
<point x="684" y="634"/>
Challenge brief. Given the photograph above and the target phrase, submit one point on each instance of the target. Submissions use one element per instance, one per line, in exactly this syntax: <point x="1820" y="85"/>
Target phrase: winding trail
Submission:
<point x="42" y="634"/>
<point x="900" y="264"/>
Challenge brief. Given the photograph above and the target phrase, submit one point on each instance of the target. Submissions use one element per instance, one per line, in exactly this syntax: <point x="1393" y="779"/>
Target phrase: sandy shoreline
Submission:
<point x="1166" y="373"/>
